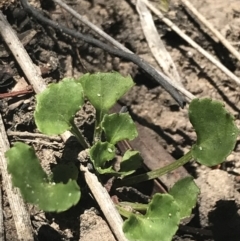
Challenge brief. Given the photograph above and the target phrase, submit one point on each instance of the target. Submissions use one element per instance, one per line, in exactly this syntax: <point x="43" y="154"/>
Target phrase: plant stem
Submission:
<point x="97" y="133"/>
<point x="136" y="206"/>
<point x="76" y="132"/>
<point x="157" y="173"/>
<point x="97" y="128"/>
<point x="123" y="212"/>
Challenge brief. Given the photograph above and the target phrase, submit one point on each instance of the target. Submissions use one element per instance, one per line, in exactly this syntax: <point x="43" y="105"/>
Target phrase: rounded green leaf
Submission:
<point x="216" y="131"/>
<point x="101" y="152"/>
<point x="159" y="223"/>
<point x="185" y="193"/>
<point x="57" y="105"/>
<point x="57" y="197"/>
<point x="118" y="127"/>
<point x="28" y="175"/>
<point x="104" y="89"/>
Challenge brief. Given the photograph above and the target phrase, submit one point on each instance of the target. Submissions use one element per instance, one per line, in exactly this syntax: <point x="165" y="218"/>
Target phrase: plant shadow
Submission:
<point x="225" y="221"/>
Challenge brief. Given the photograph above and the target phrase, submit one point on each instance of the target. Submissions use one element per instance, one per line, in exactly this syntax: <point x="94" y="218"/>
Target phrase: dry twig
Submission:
<point x="33" y="135"/>
<point x="191" y="42"/>
<point x="27" y="66"/>
<point x="105" y="202"/>
<point x="19" y="211"/>
<point x="96" y="29"/>
<point x="206" y="23"/>
<point x="16" y="93"/>
<point x="155" y="43"/>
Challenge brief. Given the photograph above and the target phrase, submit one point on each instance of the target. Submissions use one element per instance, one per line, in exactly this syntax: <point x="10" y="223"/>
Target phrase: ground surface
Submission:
<point x="219" y="202"/>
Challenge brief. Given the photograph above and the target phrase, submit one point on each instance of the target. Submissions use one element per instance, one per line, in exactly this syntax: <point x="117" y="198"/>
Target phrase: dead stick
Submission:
<point x="105" y="202"/>
<point x="33" y="135"/>
<point x="20" y="214"/>
<point x="206" y="23"/>
<point x="191" y="42"/>
<point x="155" y="43"/>
<point x="16" y="93"/>
<point x="19" y="211"/>
<point x="26" y="65"/>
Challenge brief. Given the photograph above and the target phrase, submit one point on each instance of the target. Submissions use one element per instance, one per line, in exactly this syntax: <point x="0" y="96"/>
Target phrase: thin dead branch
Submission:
<point x="155" y="43"/>
<point x="206" y="23"/>
<point x="96" y="29"/>
<point x="33" y="135"/>
<point x="105" y="202"/>
<point x="27" y="66"/>
<point x="16" y="93"/>
<point x="19" y="211"/>
<point x="191" y="42"/>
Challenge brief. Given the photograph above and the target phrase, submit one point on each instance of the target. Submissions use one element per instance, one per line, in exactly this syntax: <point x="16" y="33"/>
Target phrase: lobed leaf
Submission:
<point x="57" y="105"/>
<point x="28" y="175"/>
<point x="216" y="131"/>
<point x="159" y="223"/>
<point x="185" y="193"/>
<point x="118" y="127"/>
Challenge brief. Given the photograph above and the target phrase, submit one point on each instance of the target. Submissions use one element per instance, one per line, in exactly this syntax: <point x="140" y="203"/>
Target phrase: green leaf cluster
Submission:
<point x="163" y="214"/>
<point x="54" y="114"/>
<point x="116" y="127"/>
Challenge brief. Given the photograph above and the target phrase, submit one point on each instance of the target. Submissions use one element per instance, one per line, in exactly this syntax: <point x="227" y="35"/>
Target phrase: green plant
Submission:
<point x="54" y="114"/>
